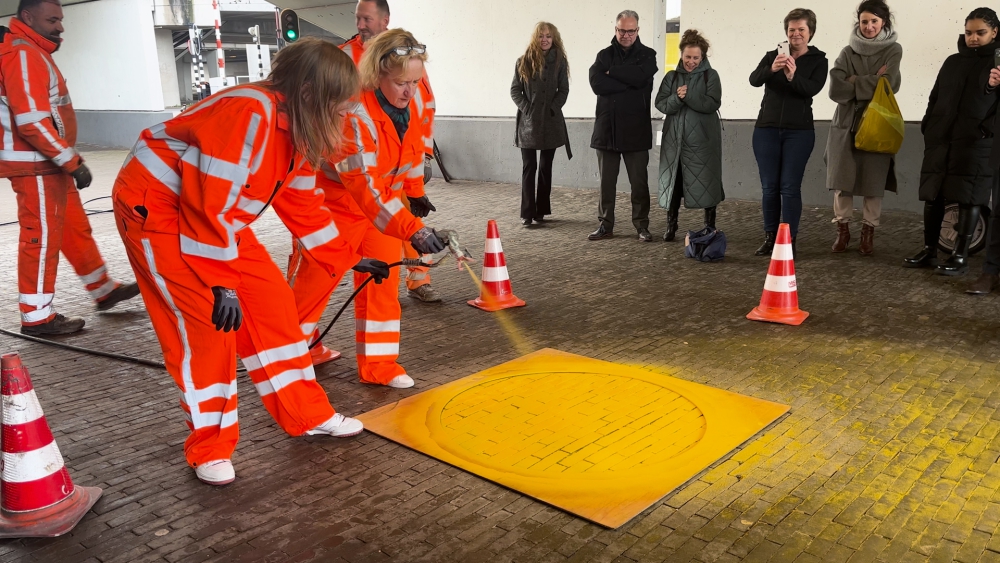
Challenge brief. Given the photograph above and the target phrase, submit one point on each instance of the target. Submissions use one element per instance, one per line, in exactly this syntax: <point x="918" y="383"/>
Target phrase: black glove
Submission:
<point x="82" y="176"/>
<point x="421" y="207"/>
<point x="226" y="313"/>
<point x="426" y="241"/>
<point x="377" y="268"/>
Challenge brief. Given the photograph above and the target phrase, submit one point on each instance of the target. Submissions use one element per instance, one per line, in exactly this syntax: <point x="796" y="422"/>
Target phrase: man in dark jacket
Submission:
<point x="622" y="78"/>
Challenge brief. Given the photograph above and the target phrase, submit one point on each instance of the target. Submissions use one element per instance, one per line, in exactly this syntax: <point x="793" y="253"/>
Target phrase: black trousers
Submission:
<point x="992" y="264"/>
<point x="609" y="164"/>
<point x="536" y="204"/>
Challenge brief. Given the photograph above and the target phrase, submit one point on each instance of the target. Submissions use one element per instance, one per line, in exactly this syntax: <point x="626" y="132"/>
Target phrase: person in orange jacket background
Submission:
<point x="37" y="153"/>
<point x="372" y="18"/>
<point x="367" y="192"/>
<point x="182" y="201"/>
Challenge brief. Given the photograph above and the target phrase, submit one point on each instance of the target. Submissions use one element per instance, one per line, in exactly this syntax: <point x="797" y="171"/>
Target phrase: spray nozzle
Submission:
<point x="452" y="248"/>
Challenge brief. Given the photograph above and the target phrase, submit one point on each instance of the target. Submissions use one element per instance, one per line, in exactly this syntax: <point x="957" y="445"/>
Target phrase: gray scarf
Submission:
<point x="868" y="47"/>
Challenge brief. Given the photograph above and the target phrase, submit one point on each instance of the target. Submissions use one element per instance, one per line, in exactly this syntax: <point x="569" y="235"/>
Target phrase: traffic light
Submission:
<point x="289" y="25"/>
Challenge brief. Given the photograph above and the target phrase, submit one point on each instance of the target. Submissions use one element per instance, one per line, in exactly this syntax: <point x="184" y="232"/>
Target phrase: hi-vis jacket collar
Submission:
<point x="19" y="28"/>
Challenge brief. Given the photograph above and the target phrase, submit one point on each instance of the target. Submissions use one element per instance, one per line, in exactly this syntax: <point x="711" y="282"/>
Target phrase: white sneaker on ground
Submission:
<point x="401" y="382"/>
<point x="217" y="472"/>
<point x="339" y="426"/>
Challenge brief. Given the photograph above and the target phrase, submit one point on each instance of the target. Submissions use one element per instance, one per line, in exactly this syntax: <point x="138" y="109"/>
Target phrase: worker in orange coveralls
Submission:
<point x="182" y="201"/>
<point x="37" y="153"/>
<point x="384" y="144"/>
<point x="372" y="18"/>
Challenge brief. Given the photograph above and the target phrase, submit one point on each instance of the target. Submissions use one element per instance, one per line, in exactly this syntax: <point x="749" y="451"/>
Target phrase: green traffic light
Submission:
<point x="291" y="35"/>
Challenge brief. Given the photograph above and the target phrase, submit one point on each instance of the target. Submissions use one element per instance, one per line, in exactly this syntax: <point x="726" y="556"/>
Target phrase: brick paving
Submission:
<point x="889" y="452"/>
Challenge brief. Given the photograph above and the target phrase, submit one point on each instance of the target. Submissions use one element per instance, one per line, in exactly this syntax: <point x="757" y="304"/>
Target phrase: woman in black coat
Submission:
<point x="540" y="89"/>
<point x="958" y="137"/>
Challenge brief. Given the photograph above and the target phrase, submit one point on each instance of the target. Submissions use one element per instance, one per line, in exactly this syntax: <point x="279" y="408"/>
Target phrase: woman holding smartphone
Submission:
<point x="784" y="135"/>
<point x="872" y="52"/>
<point x="958" y="138"/>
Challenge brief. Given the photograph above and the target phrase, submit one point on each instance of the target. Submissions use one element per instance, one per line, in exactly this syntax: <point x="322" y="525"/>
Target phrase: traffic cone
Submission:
<point x="780" y="301"/>
<point x="495" y="292"/>
<point x="37" y="496"/>
<point x="319" y="353"/>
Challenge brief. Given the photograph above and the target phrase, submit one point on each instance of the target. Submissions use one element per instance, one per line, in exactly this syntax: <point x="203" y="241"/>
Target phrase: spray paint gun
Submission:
<point x="452" y="248"/>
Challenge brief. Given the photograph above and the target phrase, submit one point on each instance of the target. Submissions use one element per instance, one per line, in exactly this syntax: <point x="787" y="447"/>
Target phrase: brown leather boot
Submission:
<point x="843" y="237"/>
<point x="867" y="244"/>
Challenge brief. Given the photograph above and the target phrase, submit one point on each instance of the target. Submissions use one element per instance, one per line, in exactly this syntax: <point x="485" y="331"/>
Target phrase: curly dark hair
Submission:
<point x="693" y="38"/>
<point x="987" y="15"/>
<point x="880" y="9"/>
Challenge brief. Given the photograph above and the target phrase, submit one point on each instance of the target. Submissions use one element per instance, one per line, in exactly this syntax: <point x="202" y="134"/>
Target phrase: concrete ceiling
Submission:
<point x="335" y="16"/>
<point x="8" y="7"/>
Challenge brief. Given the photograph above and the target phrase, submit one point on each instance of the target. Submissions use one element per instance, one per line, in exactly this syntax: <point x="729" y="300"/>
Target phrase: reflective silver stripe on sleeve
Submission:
<point x="194" y="248"/>
<point x="415" y="173"/>
<point x="357" y="161"/>
<point x="431" y="105"/>
<point x="30" y="117"/>
<point x="305" y="183"/>
<point x="24" y="76"/>
<point x="243" y="92"/>
<point x="251" y="206"/>
<point x="48" y="137"/>
<point x="388" y="211"/>
<point x="64" y="157"/>
<point x="320" y="237"/>
<point x="156" y="167"/>
<point x="330" y="173"/>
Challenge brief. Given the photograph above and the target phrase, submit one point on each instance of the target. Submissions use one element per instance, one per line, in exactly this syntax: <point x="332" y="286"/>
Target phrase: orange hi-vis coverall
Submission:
<point x="416" y="276"/>
<point x="365" y="194"/>
<point x="182" y="201"/>
<point x="36" y="152"/>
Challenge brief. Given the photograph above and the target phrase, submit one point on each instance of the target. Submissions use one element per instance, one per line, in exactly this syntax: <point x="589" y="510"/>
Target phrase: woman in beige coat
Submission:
<point x="871" y="53"/>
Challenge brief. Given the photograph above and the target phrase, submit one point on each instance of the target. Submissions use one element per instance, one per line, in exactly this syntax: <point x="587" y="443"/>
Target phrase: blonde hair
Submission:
<point x="315" y="77"/>
<point x="533" y="60"/>
<point x="379" y="56"/>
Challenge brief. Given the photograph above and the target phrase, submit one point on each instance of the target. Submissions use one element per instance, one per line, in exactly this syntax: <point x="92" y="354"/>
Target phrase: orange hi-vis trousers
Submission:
<point x="52" y="219"/>
<point x="376" y="308"/>
<point x="202" y="360"/>
<point x="416" y="276"/>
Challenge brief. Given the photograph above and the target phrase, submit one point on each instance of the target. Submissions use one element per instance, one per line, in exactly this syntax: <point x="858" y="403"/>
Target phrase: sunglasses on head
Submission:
<point x="417" y="49"/>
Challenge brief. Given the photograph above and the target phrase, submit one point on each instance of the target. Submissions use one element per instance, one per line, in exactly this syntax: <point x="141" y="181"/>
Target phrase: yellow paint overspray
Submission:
<point x="507" y="324"/>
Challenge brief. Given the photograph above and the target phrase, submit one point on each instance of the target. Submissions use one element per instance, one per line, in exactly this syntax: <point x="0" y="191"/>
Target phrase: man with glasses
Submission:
<point x="622" y="78"/>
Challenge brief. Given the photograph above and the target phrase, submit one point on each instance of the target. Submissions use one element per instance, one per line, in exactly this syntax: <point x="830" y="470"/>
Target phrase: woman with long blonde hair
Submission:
<point x="182" y="201"/>
<point x="540" y="88"/>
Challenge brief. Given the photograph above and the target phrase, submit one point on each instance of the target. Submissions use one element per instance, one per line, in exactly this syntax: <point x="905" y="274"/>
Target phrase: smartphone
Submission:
<point x="784" y="50"/>
<point x="996" y="58"/>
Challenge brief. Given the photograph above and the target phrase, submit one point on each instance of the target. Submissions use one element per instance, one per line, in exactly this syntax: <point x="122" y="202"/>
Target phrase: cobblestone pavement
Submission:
<point x="889" y="452"/>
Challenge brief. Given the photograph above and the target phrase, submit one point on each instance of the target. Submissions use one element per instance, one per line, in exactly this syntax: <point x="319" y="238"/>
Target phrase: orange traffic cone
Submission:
<point x="495" y="293"/>
<point x="37" y="496"/>
<point x="319" y="353"/>
<point x="780" y="301"/>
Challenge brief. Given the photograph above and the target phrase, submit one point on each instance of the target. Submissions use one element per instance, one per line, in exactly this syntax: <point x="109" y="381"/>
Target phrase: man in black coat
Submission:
<point x="622" y="78"/>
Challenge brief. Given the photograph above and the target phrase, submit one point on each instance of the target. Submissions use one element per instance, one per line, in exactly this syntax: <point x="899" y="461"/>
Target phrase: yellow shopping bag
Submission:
<point x="881" y="128"/>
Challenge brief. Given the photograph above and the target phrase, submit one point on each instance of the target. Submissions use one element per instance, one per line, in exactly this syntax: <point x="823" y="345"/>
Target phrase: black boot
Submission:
<point x="710" y="217"/>
<point x="768" y="246"/>
<point x="672" y="212"/>
<point x="958" y="263"/>
<point x="927" y="257"/>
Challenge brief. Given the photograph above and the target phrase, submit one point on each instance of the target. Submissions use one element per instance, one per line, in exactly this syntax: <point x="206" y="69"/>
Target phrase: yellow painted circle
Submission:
<point x="572" y="423"/>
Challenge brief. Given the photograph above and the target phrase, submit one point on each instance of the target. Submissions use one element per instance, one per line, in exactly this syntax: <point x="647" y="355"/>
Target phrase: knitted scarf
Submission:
<point x="867" y="47"/>
<point x="400" y="117"/>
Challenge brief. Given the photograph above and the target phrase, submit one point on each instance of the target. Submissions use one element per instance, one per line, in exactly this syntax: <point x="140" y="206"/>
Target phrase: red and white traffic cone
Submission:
<point x="319" y="353"/>
<point x="495" y="293"/>
<point x="779" y="303"/>
<point x="37" y="496"/>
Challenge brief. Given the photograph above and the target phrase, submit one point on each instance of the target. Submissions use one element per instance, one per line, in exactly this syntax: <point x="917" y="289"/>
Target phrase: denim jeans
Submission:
<point x="782" y="155"/>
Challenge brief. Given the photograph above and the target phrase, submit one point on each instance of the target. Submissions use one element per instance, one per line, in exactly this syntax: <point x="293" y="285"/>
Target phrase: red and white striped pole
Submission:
<point x="219" y="53"/>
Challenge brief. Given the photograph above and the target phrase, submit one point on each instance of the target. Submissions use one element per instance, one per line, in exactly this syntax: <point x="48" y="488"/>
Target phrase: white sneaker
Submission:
<point x="401" y="382"/>
<point x="217" y="472"/>
<point x="339" y="426"/>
